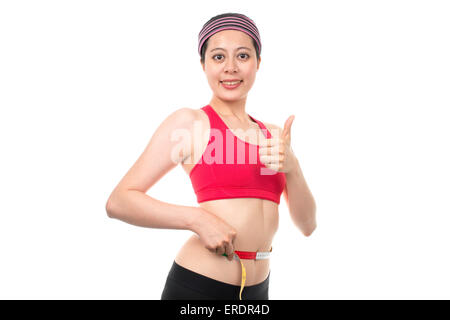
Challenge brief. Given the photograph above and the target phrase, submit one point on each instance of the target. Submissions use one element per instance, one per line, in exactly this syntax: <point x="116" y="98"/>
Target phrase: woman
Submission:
<point x="238" y="196"/>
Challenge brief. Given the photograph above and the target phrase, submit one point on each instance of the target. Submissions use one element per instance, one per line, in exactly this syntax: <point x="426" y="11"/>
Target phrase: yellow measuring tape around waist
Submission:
<point x="248" y="255"/>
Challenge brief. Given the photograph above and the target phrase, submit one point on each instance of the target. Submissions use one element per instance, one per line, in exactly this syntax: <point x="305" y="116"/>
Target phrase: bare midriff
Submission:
<point x="255" y="222"/>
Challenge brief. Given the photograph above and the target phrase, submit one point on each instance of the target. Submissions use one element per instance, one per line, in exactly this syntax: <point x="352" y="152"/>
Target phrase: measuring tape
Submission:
<point x="248" y="255"/>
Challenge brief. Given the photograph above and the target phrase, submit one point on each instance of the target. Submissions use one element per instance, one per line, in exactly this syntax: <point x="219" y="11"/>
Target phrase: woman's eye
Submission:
<point x="240" y="55"/>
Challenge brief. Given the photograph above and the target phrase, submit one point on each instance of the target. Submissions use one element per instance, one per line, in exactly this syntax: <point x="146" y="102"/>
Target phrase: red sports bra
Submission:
<point x="231" y="168"/>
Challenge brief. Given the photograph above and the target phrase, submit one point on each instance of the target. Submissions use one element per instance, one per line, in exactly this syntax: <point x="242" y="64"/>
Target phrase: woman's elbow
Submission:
<point x="111" y="206"/>
<point x="108" y="208"/>
<point x="311" y="224"/>
<point x="310" y="230"/>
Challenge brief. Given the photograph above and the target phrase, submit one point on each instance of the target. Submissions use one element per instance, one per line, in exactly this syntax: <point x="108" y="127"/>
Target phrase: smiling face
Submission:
<point x="236" y="59"/>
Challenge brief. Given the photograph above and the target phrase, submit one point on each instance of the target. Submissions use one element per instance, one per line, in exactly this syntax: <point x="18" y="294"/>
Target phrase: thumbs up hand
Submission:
<point x="276" y="153"/>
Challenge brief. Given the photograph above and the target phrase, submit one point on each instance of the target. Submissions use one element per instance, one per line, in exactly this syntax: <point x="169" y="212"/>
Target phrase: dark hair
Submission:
<point x="205" y="45"/>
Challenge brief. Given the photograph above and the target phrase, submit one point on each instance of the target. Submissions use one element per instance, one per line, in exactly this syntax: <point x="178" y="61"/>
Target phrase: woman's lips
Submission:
<point x="230" y="87"/>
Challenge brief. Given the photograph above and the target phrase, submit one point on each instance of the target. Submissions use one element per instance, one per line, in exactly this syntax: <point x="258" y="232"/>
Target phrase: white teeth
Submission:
<point x="231" y="83"/>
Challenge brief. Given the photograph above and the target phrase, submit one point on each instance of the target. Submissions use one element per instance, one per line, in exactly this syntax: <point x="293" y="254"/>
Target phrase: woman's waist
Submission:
<point x="194" y="256"/>
<point x="240" y="243"/>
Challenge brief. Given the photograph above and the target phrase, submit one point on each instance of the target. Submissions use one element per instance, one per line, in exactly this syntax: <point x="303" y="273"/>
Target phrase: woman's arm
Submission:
<point x="301" y="204"/>
<point x="137" y="208"/>
<point x="130" y="203"/>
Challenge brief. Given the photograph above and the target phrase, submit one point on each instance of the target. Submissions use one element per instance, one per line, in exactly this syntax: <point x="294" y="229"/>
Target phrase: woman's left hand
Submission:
<point x="276" y="153"/>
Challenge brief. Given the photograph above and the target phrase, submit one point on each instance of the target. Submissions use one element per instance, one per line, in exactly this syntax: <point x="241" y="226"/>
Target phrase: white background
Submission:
<point x="84" y="84"/>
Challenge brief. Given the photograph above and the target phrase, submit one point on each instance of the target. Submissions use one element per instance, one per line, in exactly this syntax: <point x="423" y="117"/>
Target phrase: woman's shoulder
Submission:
<point x="183" y="117"/>
<point x="191" y="113"/>
<point x="185" y="113"/>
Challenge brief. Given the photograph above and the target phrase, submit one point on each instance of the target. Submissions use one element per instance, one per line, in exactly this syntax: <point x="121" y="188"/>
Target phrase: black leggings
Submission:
<point x="184" y="284"/>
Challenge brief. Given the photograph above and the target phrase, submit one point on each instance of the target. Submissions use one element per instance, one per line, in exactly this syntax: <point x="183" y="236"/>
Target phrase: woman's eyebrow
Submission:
<point x="224" y="49"/>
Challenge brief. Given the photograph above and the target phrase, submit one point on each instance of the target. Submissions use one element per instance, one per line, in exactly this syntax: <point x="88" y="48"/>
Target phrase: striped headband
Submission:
<point x="229" y="21"/>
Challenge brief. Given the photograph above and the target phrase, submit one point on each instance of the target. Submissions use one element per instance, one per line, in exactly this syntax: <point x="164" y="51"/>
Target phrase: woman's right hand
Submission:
<point x="216" y="234"/>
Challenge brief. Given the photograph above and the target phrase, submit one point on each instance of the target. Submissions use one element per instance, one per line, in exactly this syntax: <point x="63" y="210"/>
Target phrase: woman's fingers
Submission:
<point x="271" y="147"/>
<point x="229" y="251"/>
<point x="274" y="159"/>
<point x="220" y="250"/>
